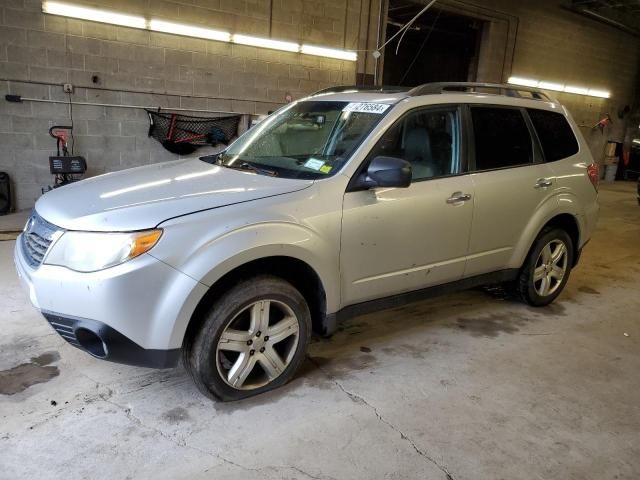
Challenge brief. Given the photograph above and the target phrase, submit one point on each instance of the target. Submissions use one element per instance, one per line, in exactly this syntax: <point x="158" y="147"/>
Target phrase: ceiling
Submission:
<point x="622" y="14"/>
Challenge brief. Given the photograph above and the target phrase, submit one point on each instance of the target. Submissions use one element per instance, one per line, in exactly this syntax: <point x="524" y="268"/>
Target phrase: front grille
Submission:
<point x="64" y="327"/>
<point x="37" y="239"/>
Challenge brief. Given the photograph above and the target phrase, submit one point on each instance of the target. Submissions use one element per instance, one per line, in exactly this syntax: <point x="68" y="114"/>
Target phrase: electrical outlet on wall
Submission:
<point x="68" y="88"/>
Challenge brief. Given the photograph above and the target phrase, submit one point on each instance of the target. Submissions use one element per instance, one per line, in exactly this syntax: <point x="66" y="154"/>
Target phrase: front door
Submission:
<point x="396" y="240"/>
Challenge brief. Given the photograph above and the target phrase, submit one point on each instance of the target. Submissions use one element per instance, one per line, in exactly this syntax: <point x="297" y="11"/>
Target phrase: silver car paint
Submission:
<point x="389" y="240"/>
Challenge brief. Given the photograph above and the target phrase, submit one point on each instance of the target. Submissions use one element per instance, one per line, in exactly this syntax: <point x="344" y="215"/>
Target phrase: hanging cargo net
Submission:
<point x="183" y="134"/>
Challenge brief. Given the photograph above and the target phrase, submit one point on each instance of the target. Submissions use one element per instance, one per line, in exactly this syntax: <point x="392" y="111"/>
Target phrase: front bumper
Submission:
<point x="135" y="312"/>
<point x="104" y="342"/>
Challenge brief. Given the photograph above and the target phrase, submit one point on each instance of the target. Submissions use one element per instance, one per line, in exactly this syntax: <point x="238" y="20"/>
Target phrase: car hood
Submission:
<point x="144" y="197"/>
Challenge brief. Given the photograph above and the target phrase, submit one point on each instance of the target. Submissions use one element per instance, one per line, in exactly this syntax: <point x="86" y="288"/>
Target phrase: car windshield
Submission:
<point x="309" y="139"/>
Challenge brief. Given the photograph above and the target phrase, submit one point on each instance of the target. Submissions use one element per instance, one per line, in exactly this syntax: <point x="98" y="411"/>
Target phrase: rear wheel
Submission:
<point x="253" y="339"/>
<point x="546" y="270"/>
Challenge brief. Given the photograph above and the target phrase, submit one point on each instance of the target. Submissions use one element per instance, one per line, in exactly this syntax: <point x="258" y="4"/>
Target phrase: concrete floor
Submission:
<point x="468" y="387"/>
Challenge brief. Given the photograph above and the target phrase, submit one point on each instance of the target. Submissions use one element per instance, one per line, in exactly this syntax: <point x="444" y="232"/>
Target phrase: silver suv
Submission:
<point x="341" y="203"/>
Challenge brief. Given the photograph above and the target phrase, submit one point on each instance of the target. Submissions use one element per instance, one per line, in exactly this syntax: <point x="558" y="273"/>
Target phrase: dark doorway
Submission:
<point x="440" y="46"/>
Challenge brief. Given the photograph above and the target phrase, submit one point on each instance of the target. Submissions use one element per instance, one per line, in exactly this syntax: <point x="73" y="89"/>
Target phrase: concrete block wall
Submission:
<point x="117" y="65"/>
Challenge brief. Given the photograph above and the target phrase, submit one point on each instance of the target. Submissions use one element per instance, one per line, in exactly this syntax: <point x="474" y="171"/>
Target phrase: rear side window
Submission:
<point x="502" y="138"/>
<point x="555" y="134"/>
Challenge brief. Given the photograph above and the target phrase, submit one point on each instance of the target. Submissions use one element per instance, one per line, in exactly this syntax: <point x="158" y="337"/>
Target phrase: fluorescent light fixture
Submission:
<point x="265" y="43"/>
<point x="136" y="21"/>
<point x="525" y="82"/>
<point x="576" y="90"/>
<point x="93" y="14"/>
<point x="188" y="30"/>
<point x="329" y="52"/>
<point x="558" y="87"/>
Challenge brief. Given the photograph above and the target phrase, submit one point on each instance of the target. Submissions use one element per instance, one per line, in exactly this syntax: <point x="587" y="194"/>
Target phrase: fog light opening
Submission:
<point x="91" y="342"/>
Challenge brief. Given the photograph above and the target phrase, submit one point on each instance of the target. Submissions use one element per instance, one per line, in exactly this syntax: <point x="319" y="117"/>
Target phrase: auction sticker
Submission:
<point x="378" y="108"/>
<point x="314" y="164"/>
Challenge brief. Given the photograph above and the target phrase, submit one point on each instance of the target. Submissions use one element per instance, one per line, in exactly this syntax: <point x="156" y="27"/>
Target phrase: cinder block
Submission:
<point x="196" y="103"/>
<point x="29" y="90"/>
<point x="149" y="84"/>
<point x="54" y="41"/>
<point x="23" y="18"/>
<point x="134" y="128"/>
<point x="100" y="64"/>
<point x="34" y="56"/>
<point x="133" y="35"/>
<point x="87" y="46"/>
<point x="102" y="31"/>
<point x="88" y="112"/>
<point x="116" y="50"/>
<point x="62" y="25"/>
<point x="64" y="59"/>
<point x="103" y="96"/>
<point x="178" y="86"/>
<point x="13" y="142"/>
<point x="12" y="35"/>
<point x="135" y="158"/>
<point x="14" y="71"/>
<point x="149" y="55"/>
<point x="47" y="74"/>
<point x="178" y="57"/>
<point x="103" y="127"/>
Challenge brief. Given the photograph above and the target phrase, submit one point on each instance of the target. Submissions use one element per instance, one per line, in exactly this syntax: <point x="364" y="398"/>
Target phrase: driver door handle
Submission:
<point x="543" y="182"/>
<point x="458" y="197"/>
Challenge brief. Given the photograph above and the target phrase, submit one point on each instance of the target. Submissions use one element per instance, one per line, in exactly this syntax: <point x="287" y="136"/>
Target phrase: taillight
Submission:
<point x="594" y="175"/>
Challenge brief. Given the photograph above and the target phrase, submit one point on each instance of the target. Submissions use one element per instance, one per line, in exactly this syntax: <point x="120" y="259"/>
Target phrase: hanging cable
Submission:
<point x="433" y="25"/>
<point x="407" y="25"/>
<point x="73" y="140"/>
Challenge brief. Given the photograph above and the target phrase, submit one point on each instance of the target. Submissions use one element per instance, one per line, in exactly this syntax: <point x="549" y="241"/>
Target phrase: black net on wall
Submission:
<point x="183" y="134"/>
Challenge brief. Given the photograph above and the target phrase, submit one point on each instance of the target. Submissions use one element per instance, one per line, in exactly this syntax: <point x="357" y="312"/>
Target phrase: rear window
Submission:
<point x="555" y="134"/>
<point x="502" y="138"/>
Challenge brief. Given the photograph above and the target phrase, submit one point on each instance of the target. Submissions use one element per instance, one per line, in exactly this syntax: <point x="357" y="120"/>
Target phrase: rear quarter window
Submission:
<point x="555" y="134"/>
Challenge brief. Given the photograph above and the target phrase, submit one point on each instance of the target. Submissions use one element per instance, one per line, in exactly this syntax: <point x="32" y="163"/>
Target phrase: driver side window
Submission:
<point x="428" y="139"/>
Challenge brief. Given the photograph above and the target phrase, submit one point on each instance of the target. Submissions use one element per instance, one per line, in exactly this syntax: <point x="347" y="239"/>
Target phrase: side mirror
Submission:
<point x="387" y="172"/>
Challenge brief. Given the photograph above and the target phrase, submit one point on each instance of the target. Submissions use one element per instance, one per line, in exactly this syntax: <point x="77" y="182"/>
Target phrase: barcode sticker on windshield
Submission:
<point x="366" y="108"/>
<point x="314" y="164"/>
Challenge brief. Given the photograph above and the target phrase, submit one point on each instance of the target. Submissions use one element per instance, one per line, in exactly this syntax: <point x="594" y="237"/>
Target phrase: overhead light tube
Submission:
<point x="329" y="52"/>
<point x="265" y="43"/>
<point x="188" y="30"/>
<point x="93" y="14"/>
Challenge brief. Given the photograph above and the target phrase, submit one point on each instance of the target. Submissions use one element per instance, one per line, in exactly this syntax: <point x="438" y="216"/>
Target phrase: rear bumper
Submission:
<point x="106" y="343"/>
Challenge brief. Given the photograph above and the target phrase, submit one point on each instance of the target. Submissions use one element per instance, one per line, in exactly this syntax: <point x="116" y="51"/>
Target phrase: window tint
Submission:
<point x="555" y="134"/>
<point x="428" y="139"/>
<point x="502" y="138"/>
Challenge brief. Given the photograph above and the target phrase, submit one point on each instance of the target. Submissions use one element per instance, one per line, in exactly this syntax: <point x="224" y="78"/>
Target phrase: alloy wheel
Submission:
<point x="551" y="268"/>
<point x="257" y="345"/>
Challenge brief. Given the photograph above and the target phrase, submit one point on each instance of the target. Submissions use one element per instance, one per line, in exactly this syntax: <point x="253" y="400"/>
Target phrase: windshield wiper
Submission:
<point x="212" y="159"/>
<point x="242" y="165"/>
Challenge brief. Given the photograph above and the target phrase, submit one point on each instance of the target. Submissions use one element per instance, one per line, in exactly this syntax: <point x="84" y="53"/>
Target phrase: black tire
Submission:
<point x="200" y="354"/>
<point x="524" y="287"/>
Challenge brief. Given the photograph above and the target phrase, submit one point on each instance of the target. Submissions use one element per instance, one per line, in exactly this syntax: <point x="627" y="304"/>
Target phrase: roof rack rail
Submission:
<point x="362" y="88"/>
<point x="470" y="87"/>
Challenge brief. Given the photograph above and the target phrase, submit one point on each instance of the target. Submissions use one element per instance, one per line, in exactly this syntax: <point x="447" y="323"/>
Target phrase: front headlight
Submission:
<point x="93" y="251"/>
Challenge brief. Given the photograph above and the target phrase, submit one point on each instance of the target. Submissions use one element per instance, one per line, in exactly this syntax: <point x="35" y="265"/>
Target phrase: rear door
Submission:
<point x="510" y="182"/>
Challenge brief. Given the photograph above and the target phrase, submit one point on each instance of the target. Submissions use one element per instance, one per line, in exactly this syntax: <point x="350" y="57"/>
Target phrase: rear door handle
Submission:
<point x="458" y="197"/>
<point x="543" y="183"/>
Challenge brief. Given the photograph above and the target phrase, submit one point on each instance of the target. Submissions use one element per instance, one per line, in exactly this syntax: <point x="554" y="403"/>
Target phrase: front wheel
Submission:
<point x="546" y="270"/>
<point x="253" y="340"/>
